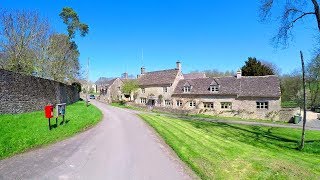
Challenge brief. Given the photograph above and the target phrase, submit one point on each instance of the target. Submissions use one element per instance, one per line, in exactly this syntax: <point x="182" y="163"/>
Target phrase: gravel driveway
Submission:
<point x="122" y="146"/>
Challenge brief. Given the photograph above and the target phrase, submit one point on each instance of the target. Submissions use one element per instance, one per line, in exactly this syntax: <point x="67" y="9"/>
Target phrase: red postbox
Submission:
<point x="48" y="111"/>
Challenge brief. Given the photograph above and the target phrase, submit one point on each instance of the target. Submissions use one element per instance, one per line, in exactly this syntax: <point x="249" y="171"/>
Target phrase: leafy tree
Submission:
<point x="129" y="86"/>
<point x="253" y="67"/>
<point x="63" y="58"/>
<point x="71" y="19"/>
<point x="313" y="80"/>
<point x="293" y="12"/>
<point x="290" y="86"/>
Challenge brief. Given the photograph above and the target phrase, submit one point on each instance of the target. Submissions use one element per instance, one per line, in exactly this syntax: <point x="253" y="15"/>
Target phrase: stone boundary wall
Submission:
<point x="22" y="93"/>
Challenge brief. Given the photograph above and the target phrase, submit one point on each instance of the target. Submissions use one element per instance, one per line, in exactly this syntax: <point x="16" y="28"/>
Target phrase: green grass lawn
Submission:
<point x="21" y="132"/>
<point x="206" y="116"/>
<point x="121" y="105"/>
<point x="225" y="151"/>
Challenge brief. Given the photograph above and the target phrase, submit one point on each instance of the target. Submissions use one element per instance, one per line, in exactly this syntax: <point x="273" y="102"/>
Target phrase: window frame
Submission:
<point x="226" y="105"/>
<point x="165" y="89"/>
<point x="211" y="105"/>
<point x="143" y="100"/>
<point x="179" y="103"/>
<point x="214" y="88"/>
<point x="143" y="90"/>
<point x="192" y="104"/>
<point x="263" y="105"/>
<point x="186" y="89"/>
<point x="167" y="102"/>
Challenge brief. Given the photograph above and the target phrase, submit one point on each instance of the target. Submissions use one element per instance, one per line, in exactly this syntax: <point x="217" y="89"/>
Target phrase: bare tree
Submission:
<point x="293" y="12"/>
<point x="22" y="36"/>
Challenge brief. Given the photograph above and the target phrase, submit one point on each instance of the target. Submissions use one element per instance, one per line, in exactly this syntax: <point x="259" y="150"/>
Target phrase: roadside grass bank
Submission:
<point x="196" y="116"/>
<point x="227" y="151"/>
<point x="123" y="105"/>
<point x="21" y="132"/>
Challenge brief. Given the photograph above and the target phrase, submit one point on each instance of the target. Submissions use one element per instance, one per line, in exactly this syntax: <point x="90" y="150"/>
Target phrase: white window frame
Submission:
<point x="208" y="105"/>
<point x="167" y="102"/>
<point x="165" y="89"/>
<point x="262" y="105"/>
<point x="192" y="103"/>
<point x="214" y="88"/>
<point x="143" y="90"/>
<point x="186" y="89"/>
<point x="179" y="103"/>
<point x="143" y="100"/>
<point x="226" y="105"/>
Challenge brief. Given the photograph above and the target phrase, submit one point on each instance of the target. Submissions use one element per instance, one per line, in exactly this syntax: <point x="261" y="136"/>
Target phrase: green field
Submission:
<point x="226" y="151"/>
<point x="21" y="132"/>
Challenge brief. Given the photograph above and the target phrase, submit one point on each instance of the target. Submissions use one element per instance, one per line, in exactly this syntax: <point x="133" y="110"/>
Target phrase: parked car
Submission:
<point x="92" y="96"/>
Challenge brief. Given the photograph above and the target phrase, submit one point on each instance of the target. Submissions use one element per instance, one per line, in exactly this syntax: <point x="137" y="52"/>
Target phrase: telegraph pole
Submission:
<point x="88" y="84"/>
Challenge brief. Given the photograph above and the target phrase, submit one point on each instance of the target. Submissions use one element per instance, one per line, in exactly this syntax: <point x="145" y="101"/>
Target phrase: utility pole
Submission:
<point x="304" y="103"/>
<point x="88" y="84"/>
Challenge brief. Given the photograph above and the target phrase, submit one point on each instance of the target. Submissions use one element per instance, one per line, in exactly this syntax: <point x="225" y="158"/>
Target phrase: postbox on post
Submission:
<point x="61" y="110"/>
<point x="48" y="111"/>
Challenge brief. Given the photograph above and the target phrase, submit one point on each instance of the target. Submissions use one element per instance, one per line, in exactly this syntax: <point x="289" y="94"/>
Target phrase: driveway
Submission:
<point x="122" y="146"/>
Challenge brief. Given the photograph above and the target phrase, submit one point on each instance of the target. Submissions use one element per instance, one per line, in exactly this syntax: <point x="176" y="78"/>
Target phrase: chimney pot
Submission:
<point x="239" y="74"/>
<point x="143" y="70"/>
<point x="178" y="65"/>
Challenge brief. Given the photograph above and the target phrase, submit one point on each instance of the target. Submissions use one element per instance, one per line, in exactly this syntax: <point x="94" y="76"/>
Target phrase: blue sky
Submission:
<point x="202" y="34"/>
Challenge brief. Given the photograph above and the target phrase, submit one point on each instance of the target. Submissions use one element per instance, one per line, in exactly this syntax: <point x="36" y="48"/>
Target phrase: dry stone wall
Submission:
<point x="21" y="93"/>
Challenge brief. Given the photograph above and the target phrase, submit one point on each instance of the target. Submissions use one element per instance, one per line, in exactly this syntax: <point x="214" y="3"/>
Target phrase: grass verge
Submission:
<point x="226" y="151"/>
<point x="121" y="105"/>
<point x="21" y="132"/>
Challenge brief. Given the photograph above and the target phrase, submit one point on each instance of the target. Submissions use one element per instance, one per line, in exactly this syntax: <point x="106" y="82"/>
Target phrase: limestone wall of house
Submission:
<point x="156" y="91"/>
<point x="114" y="91"/>
<point x="243" y="108"/>
<point x="22" y="93"/>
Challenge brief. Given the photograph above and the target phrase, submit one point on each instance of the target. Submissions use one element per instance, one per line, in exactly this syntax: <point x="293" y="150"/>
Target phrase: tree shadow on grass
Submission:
<point x="256" y="136"/>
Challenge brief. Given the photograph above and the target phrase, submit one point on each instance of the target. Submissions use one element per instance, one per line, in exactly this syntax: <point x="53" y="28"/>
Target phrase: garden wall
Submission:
<point x="22" y="93"/>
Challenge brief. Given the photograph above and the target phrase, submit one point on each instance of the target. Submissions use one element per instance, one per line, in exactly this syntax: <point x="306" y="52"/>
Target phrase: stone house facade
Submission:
<point x="111" y="90"/>
<point x="241" y="96"/>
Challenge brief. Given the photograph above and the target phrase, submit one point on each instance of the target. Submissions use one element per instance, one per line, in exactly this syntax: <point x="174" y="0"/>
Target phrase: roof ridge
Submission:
<point x="162" y="70"/>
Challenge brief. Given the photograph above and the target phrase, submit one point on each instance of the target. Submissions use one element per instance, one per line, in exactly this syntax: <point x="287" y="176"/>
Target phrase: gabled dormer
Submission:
<point x="214" y="86"/>
<point x="187" y="87"/>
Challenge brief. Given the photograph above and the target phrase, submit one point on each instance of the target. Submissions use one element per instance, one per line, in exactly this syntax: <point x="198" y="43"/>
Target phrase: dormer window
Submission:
<point x="186" y="89"/>
<point x="214" y="88"/>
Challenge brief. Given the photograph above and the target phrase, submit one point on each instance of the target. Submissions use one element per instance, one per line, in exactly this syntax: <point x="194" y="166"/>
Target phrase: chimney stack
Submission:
<point x="178" y="65"/>
<point x="125" y="75"/>
<point x="143" y="70"/>
<point x="239" y="74"/>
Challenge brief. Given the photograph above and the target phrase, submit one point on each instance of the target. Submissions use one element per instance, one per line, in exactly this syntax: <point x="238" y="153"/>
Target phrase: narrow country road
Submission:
<point x="122" y="146"/>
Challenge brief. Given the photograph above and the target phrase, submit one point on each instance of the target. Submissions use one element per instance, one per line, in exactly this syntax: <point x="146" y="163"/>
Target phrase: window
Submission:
<point x="143" y="90"/>
<point x="186" y="89"/>
<point x="226" y="105"/>
<point x="192" y="104"/>
<point x="262" y="105"/>
<point x="167" y="102"/>
<point x="208" y="105"/>
<point x="165" y="89"/>
<point x="214" y="88"/>
<point x="179" y="103"/>
<point x="143" y="100"/>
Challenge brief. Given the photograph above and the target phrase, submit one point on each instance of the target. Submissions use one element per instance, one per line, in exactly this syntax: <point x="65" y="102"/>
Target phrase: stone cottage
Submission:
<point x="242" y="96"/>
<point x="111" y="90"/>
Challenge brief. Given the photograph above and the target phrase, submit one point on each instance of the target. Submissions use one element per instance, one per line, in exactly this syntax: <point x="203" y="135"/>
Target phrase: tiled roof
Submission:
<point x="158" y="78"/>
<point x="194" y="75"/>
<point x="258" y="86"/>
<point x="110" y="82"/>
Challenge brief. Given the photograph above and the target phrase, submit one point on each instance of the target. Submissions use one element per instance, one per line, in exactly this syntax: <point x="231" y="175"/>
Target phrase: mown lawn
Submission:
<point x="21" y="132"/>
<point x="121" y="105"/>
<point x="227" y="151"/>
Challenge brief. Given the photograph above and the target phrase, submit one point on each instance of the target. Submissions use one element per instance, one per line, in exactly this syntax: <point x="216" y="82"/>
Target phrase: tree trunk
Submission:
<point x="304" y="103"/>
<point x="317" y="12"/>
